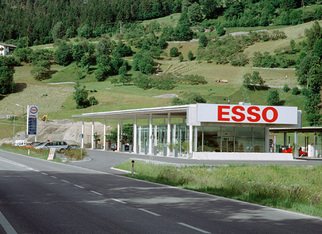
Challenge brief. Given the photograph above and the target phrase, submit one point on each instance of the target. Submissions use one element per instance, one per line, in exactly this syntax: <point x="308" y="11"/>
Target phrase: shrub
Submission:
<point x="273" y="98"/>
<point x="239" y="60"/>
<point x="77" y="154"/>
<point x="180" y="58"/>
<point x="143" y="82"/>
<point x="190" y="55"/>
<point x="296" y="91"/>
<point x="286" y="88"/>
<point x="177" y="101"/>
<point x="174" y="52"/>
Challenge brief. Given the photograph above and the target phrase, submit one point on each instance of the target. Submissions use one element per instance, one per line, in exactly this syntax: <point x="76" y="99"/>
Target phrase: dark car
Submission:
<point x="113" y="146"/>
<point x="72" y="147"/>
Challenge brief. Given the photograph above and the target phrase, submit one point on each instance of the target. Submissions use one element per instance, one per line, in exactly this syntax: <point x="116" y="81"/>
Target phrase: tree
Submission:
<point x="174" y="52"/>
<point x="64" y="54"/>
<point x="78" y="53"/>
<point x="247" y="80"/>
<point x="317" y="48"/>
<point x="41" y="70"/>
<point x="85" y="63"/>
<point x="190" y="55"/>
<point x="203" y="40"/>
<point x="194" y="12"/>
<point x="273" y="98"/>
<point x="257" y="79"/>
<point x="104" y="47"/>
<point x="58" y="31"/>
<point x="180" y="58"/>
<point x="81" y="97"/>
<point x="211" y="8"/>
<point x="143" y="82"/>
<point x="313" y="34"/>
<point x="220" y="30"/>
<point x="125" y="79"/>
<point x="183" y="31"/>
<point x="24" y="54"/>
<point x="7" y="84"/>
<point x="286" y="88"/>
<point x="85" y="31"/>
<point x="143" y="61"/>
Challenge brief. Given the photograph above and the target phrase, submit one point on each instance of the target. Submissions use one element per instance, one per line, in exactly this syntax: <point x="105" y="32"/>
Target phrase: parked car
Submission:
<point x="289" y="150"/>
<point x="113" y="146"/>
<point x="72" y="147"/>
<point x="59" y="145"/>
<point x="33" y="144"/>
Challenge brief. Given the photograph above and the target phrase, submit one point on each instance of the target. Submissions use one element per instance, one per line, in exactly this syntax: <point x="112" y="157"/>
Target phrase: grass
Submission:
<point x="170" y="20"/>
<point x="295" y="188"/>
<point x="37" y="153"/>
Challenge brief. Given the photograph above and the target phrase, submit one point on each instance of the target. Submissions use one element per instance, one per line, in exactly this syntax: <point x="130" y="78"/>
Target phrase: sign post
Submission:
<point x="32" y="121"/>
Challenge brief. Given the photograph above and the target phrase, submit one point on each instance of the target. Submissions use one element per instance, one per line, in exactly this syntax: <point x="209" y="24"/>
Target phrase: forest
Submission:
<point x="33" y="21"/>
<point x="26" y="23"/>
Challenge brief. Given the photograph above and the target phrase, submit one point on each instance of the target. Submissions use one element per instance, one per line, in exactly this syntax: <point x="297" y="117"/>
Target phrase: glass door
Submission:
<point x="227" y="144"/>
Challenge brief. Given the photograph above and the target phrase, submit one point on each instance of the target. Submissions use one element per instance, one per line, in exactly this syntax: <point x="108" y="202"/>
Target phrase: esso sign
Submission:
<point x="246" y="114"/>
<point x="33" y="110"/>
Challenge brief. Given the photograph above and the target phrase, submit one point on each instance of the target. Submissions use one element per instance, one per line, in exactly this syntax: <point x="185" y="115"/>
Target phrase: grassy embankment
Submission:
<point x="43" y="153"/>
<point x="295" y="188"/>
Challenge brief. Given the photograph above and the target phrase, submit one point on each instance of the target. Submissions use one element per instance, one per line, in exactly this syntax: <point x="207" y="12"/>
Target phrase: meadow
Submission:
<point x="295" y="188"/>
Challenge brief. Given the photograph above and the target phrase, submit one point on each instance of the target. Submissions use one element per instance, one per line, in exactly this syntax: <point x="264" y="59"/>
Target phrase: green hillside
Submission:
<point x="57" y="100"/>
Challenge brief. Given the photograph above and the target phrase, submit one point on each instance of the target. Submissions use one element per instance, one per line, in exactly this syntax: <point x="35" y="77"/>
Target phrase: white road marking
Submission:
<point x="97" y="193"/>
<point x="44" y="173"/>
<point x="117" y="200"/>
<point x="149" y="212"/>
<point x="78" y="186"/>
<point x="194" y="228"/>
<point x="65" y="181"/>
<point x="6" y="225"/>
<point x="53" y="177"/>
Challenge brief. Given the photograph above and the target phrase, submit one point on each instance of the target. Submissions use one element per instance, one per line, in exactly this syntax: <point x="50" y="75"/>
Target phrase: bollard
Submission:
<point x="132" y="166"/>
<point x="28" y="151"/>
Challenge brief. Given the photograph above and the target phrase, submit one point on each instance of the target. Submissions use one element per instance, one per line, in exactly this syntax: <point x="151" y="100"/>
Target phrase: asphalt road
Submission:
<point x="38" y="196"/>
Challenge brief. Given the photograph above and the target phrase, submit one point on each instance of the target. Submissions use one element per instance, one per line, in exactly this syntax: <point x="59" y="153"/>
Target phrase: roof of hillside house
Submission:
<point x="8" y="45"/>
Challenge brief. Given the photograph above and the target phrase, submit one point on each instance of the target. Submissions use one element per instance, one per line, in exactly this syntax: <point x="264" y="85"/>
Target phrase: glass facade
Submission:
<point x="179" y="138"/>
<point x="231" y="139"/>
<point x="205" y="139"/>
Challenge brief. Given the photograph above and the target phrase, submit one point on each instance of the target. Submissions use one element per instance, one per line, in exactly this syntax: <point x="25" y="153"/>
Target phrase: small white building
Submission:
<point x="6" y="49"/>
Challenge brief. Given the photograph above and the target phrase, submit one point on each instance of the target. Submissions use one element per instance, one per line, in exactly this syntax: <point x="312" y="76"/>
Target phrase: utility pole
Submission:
<point x="120" y="27"/>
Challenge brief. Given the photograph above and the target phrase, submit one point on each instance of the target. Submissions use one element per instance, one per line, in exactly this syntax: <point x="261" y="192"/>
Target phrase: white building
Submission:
<point x="6" y="49"/>
<point x="203" y="131"/>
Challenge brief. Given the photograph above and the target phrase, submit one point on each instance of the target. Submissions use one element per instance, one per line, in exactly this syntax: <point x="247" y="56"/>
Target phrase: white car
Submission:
<point x="59" y="145"/>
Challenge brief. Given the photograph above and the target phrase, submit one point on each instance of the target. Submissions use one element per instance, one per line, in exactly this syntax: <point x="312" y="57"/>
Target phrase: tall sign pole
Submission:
<point x="32" y="121"/>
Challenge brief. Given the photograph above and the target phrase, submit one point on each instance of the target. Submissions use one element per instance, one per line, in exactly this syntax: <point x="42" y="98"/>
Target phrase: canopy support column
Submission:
<point x="150" y="135"/>
<point x="118" y="136"/>
<point x="135" y="140"/>
<point x="168" y="134"/>
<point x="82" y="140"/>
<point x="104" y="132"/>
<point x="93" y="129"/>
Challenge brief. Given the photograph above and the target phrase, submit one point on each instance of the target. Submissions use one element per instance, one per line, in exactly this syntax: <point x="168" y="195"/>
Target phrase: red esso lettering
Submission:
<point x="275" y="114"/>
<point x="221" y="112"/>
<point x="235" y="111"/>
<point x="253" y="116"/>
<point x="253" y="113"/>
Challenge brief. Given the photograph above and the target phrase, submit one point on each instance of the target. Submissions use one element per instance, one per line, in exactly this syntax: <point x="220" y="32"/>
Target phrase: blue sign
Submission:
<point x="32" y="126"/>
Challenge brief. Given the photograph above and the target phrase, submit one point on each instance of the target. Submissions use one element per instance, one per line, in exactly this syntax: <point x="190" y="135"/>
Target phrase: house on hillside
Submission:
<point x="6" y="49"/>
